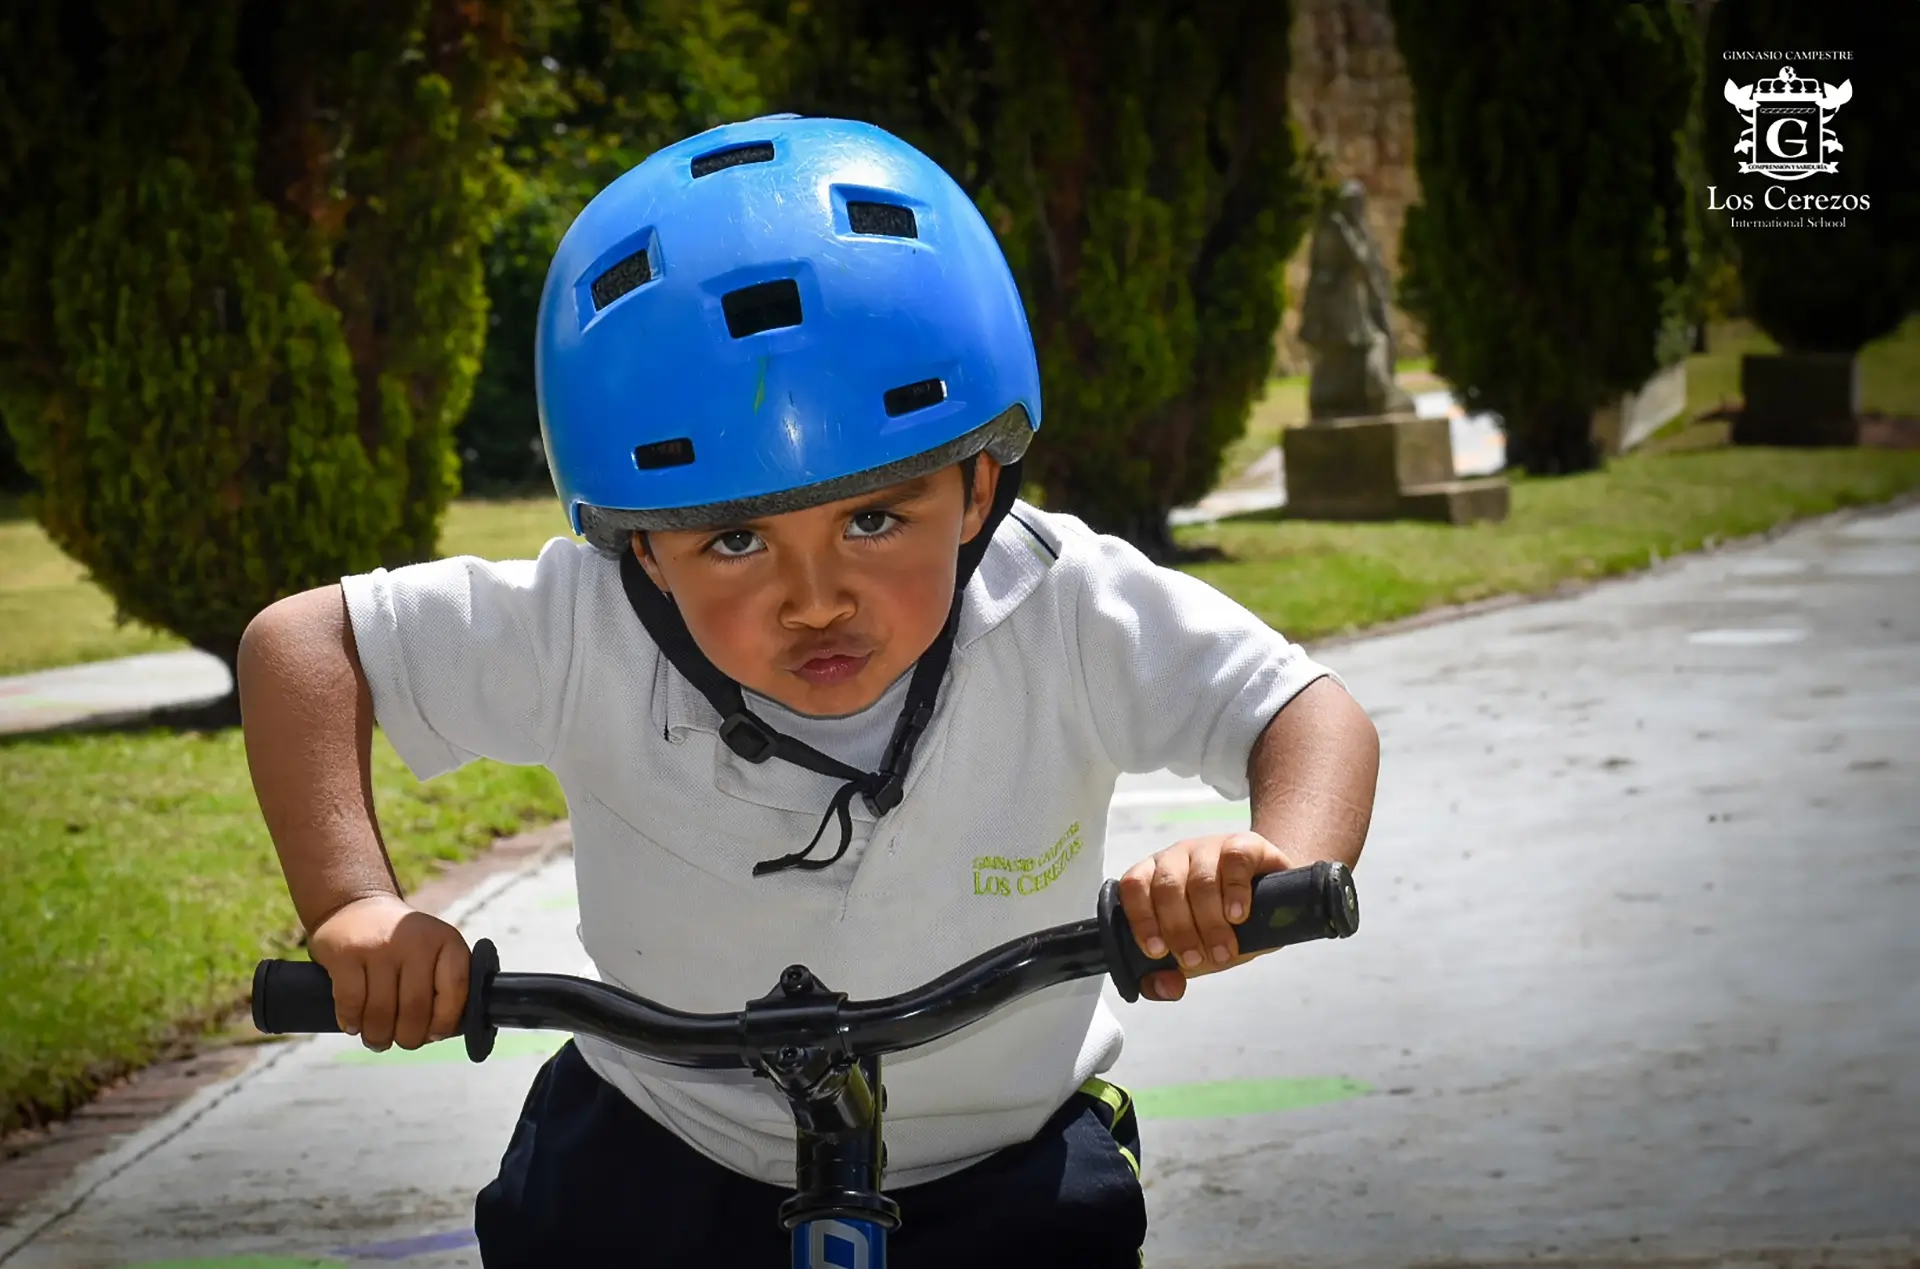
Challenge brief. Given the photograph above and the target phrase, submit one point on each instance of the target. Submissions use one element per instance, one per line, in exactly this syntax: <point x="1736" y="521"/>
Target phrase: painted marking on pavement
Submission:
<point x="1877" y="564"/>
<point x="1767" y="566"/>
<point x="1223" y="1099"/>
<point x="408" y="1248"/>
<point x="509" y="1045"/>
<point x="1761" y="594"/>
<point x="1733" y="638"/>
<point x="239" y="1262"/>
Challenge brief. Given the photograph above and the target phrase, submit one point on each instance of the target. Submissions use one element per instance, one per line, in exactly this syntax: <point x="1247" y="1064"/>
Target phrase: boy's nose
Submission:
<point x="815" y="595"/>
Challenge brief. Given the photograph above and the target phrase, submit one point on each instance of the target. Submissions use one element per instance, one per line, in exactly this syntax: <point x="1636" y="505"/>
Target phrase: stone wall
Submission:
<point x="1354" y="105"/>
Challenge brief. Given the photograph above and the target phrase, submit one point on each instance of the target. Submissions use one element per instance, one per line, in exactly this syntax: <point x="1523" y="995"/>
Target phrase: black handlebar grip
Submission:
<point x="1298" y="905"/>
<point x="292" y="997"/>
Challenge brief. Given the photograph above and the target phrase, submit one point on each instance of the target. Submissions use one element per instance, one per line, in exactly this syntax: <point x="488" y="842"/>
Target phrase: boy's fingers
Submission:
<point x="349" y="994"/>
<point x="1236" y="882"/>
<point x="376" y="1023"/>
<point x="1170" y="910"/>
<point x="414" y="1004"/>
<point x="1167" y="986"/>
<point x="1136" y="900"/>
<point x="1245" y="857"/>
<point x="1217" y="943"/>
<point x="449" y="989"/>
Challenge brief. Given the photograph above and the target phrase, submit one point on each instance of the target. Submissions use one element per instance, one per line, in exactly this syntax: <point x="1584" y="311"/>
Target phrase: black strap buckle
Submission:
<point x="888" y="795"/>
<point x="747" y="736"/>
<point x="893" y="776"/>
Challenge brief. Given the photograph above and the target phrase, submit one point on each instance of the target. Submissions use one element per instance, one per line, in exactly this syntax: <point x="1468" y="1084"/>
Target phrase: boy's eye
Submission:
<point x="872" y="524"/>
<point x="735" y="544"/>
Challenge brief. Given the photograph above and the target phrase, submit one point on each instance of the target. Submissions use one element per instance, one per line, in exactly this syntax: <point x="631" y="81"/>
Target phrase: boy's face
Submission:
<point x="822" y="609"/>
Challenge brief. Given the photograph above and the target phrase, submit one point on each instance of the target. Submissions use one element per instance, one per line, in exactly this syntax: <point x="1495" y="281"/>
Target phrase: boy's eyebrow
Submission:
<point x="905" y="491"/>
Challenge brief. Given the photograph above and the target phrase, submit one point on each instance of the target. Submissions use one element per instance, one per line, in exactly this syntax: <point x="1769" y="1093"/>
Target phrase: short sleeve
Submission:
<point x="468" y="658"/>
<point x="1177" y="675"/>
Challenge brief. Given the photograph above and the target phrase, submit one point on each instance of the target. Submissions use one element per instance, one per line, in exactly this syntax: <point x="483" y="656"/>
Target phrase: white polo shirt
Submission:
<point x="1075" y="659"/>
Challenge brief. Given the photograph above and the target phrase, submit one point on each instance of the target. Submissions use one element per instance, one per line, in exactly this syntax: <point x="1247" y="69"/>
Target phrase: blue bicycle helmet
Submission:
<point x="763" y="318"/>
<point x="769" y="316"/>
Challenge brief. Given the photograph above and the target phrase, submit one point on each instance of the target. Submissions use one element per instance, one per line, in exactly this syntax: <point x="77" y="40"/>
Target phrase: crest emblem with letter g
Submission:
<point x="1787" y="136"/>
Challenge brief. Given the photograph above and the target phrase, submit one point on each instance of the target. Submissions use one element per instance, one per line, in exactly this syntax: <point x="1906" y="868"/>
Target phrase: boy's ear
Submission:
<point x="986" y="480"/>
<point x="638" y="544"/>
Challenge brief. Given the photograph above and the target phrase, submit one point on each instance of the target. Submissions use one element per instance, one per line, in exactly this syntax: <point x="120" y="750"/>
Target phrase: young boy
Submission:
<point x="786" y="382"/>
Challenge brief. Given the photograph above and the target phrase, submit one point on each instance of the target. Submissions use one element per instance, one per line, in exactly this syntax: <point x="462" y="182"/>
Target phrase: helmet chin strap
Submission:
<point x="753" y="739"/>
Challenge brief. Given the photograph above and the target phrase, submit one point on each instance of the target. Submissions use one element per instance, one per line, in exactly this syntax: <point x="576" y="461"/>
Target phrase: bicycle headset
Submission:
<point x="763" y="318"/>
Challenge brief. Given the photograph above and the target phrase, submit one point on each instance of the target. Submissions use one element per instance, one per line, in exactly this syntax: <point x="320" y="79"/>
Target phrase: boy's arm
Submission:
<point x="398" y="975"/>
<point x="1312" y="775"/>
<point x="309" y="732"/>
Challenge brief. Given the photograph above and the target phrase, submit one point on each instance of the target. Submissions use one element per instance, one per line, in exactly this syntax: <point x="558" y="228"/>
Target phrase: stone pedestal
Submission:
<point x="1802" y="399"/>
<point x="1390" y="467"/>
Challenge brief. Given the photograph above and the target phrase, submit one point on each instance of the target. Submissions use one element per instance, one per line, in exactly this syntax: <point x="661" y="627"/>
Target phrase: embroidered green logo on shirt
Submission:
<point x="1003" y="875"/>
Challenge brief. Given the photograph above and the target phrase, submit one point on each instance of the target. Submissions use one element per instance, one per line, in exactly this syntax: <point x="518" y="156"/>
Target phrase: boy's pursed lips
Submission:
<point x="826" y="649"/>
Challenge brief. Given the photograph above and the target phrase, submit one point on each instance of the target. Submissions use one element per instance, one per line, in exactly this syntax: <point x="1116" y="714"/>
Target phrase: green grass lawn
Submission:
<point x="51" y="614"/>
<point x="141" y="887"/>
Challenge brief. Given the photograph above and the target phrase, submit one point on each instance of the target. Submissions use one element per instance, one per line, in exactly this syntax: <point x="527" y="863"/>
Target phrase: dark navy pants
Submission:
<point x="589" y="1179"/>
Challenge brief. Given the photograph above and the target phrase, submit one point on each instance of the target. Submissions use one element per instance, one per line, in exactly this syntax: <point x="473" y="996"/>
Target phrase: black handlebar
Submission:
<point x="801" y="1015"/>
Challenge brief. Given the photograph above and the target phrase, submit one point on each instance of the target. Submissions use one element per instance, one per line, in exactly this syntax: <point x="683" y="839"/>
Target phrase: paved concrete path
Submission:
<point x="109" y="690"/>
<point x="1636" y="978"/>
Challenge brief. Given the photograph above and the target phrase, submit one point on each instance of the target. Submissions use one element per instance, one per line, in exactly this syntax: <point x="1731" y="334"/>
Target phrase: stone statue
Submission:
<point x="1344" y="320"/>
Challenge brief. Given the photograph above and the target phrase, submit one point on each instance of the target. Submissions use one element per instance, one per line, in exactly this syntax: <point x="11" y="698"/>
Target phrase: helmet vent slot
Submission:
<point x="677" y="452"/>
<point x="630" y="273"/>
<point x="734" y="156"/>
<point x="884" y="219"/>
<point x="765" y="306"/>
<point x="915" y="396"/>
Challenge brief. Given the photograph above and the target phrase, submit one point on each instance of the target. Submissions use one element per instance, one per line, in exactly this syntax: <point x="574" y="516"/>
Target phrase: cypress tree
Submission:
<point x="241" y="303"/>
<point x="1550" y="258"/>
<point x="616" y="80"/>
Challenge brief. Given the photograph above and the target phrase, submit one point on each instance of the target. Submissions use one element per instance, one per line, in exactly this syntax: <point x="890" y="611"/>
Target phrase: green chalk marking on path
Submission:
<point x="1223" y="1099"/>
<point x="239" y="1262"/>
<point x="510" y="1044"/>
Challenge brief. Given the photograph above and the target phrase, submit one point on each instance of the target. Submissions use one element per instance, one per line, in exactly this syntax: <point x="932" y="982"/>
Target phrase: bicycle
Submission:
<point x="820" y="1049"/>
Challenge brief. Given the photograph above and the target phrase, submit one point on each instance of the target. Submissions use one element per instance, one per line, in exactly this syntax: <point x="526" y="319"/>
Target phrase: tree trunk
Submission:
<point x="1150" y="533"/>
<point x="1558" y="441"/>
